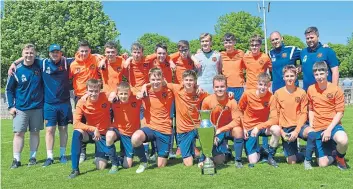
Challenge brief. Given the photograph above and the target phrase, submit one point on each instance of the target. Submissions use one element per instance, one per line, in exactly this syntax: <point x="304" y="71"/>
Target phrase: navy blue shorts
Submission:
<point x="238" y="92"/>
<point x="58" y="114"/>
<point x="326" y="148"/>
<point x="162" y="141"/>
<point x="291" y="148"/>
<point x="100" y="146"/>
<point x="251" y="144"/>
<point x="186" y="143"/>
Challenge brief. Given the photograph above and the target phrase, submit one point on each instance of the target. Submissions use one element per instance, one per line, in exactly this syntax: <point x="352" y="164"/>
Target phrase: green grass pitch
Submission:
<point x="175" y="175"/>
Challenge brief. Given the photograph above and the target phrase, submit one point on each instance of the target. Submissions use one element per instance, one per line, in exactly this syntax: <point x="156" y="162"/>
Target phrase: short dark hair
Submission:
<point x="161" y="45"/>
<point x="189" y="73"/>
<point x="136" y="46"/>
<point x="183" y="43"/>
<point x="229" y="37"/>
<point x="312" y="29"/>
<point x="110" y="45"/>
<point x="83" y="43"/>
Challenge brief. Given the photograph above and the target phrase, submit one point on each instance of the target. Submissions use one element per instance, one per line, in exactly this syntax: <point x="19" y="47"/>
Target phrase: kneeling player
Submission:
<point x="255" y="105"/>
<point x="291" y="106"/>
<point x="226" y="116"/>
<point x="126" y="110"/>
<point x="96" y="111"/>
<point x="157" y="107"/>
<point x="326" y="108"/>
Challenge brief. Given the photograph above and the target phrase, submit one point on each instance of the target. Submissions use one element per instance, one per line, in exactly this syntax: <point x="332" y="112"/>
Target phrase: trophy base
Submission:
<point x="208" y="167"/>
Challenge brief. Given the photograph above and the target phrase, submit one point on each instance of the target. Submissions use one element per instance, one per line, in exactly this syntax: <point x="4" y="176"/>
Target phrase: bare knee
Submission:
<point x="188" y="161"/>
<point x="237" y="132"/>
<point x="275" y="130"/>
<point x="292" y="159"/>
<point x="323" y="162"/>
<point x="19" y="134"/>
<point x="101" y="164"/>
<point x="137" y="138"/>
<point x="50" y="130"/>
<point x="110" y="137"/>
<point x="62" y="129"/>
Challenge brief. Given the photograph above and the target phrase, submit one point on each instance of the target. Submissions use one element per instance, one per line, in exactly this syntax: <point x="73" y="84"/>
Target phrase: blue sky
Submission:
<point x="187" y="20"/>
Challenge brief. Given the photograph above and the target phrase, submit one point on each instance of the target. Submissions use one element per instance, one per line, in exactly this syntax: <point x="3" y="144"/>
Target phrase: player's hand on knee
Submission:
<point x="254" y="132"/>
<point x="293" y="136"/>
<point x="216" y="141"/>
<point x="97" y="135"/>
<point x="246" y="134"/>
<point x="326" y="135"/>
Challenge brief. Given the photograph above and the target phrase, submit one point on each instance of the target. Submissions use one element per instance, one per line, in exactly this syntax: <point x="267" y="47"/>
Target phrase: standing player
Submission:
<point x="182" y="60"/>
<point x="255" y="63"/>
<point x="126" y="110"/>
<point x="281" y="56"/>
<point x="232" y="66"/>
<point x="157" y="107"/>
<point x="255" y="105"/>
<point x="291" y="106"/>
<point x="84" y="67"/>
<point x="210" y="63"/>
<point x="96" y="111"/>
<point x="326" y="108"/>
<point x="24" y="93"/>
<point x="226" y="117"/>
<point x="315" y="52"/>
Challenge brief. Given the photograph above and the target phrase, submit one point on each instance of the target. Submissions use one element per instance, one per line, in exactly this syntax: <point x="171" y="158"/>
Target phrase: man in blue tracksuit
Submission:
<point x="57" y="107"/>
<point x="24" y="92"/>
<point x="281" y="56"/>
<point x="315" y="52"/>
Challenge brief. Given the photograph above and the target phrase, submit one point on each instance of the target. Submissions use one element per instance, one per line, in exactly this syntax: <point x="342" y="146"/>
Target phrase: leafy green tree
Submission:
<point x="242" y="24"/>
<point x="150" y="40"/>
<point x="194" y="45"/>
<point x="347" y="64"/>
<point x="45" y="22"/>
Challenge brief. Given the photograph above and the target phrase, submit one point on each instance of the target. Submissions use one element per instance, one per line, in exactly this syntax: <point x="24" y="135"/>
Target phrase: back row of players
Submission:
<point x="37" y="80"/>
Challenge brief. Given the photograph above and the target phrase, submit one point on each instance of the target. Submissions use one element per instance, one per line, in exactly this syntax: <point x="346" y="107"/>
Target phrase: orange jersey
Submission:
<point x="97" y="114"/>
<point x="232" y="68"/>
<point x="291" y="108"/>
<point x="254" y="66"/>
<point x="181" y="66"/>
<point x="256" y="110"/>
<point x="157" y="107"/>
<point x="230" y="116"/>
<point x="186" y="105"/>
<point x="138" y="71"/>
<point x="83" y="70"/>
<point x="325" y="104"/>
<point x="112" y="75"/>
<point x="127" y="116"/>
<point x="166" y="70"/>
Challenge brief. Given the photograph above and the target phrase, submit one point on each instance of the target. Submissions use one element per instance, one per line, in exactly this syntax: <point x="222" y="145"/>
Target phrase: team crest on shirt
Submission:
<point x="167" y="64"/>
<point x="273" y="59"/>
<point x="190" y="62"/>
<point x="329" y="96"/>
<point x="262" y="62"/>
<point x="104" y="105"/>
<point x="23" y="78"/>
<point x="36" y="72"/>
<point x="164" y="95"/>
<point x="304" y="58"/>
<point x="195" y="98"/>
<point x="214" y="59"/>
<point x="145" y="64"/>
<point x="133" y="104"/>
<point x="92" y="67"/>
<point x="118" y="69"/>
<point x="319" y="55"/>
<point x="77" y="70"/>
<point x="284" y="55"/>
<point x="265" y="104"/>
<point x="297" y="99"/>
<point x="47" y="70"/>
<point x="60" y="68"/>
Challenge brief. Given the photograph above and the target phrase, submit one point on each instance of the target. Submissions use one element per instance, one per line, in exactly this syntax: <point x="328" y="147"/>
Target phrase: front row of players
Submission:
<point x="259" y="113"/>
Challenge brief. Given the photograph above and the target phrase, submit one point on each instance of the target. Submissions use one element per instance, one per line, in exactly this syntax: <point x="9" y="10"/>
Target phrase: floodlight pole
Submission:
<point x="263" y="9"/>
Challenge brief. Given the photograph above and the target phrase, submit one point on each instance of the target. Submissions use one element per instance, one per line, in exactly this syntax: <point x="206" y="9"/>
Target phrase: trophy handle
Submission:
<point x="224" y="108"/>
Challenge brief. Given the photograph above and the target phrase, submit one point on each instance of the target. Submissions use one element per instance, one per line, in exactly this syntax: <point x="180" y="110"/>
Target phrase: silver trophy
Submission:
<point x="206" y="131"/>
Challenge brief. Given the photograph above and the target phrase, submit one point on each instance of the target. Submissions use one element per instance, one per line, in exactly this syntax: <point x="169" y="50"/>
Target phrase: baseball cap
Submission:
<point x="54" y="47"/>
